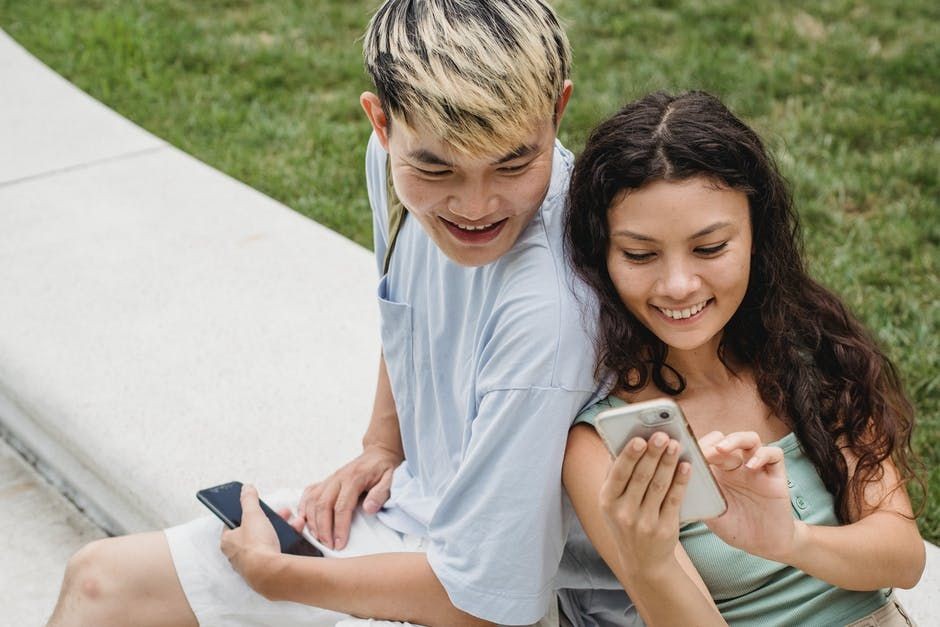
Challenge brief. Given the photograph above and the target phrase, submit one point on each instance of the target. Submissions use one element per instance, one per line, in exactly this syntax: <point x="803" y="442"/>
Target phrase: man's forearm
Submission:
<point x="388" y="586"/>
<point x="384" y="430"/>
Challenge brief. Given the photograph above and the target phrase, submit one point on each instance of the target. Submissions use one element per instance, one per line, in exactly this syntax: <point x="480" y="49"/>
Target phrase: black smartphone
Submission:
<point x="225" y="502"/>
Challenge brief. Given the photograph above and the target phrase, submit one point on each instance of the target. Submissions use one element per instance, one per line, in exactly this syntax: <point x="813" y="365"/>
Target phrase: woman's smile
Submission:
<point x="683" y="315"/>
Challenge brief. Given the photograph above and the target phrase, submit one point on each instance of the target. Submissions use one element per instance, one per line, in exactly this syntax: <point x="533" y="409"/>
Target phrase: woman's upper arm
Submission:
<point x="585" y="467"/>
<point x="886" y="493"/>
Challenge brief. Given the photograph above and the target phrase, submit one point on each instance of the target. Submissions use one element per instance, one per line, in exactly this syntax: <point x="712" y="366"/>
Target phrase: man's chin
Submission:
<point x="474" y="256"/>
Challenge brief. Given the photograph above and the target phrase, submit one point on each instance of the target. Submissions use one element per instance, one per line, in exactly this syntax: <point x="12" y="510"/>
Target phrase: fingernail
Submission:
<point x="638" y="445"/>
<point x="673" y="447"/>
<point x="684" y="468"/>
<point x="338" y="542"/>
<point x="751" y="463"/>
<point x="370" y="506"/>
<point x="659" y="440"/>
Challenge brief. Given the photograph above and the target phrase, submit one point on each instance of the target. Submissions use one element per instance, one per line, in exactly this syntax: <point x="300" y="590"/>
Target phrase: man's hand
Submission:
<point x="327" y="507"/>
<point x="252" y="544"/>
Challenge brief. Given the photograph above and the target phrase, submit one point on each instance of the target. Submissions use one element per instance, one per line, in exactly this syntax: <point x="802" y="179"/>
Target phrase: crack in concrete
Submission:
<point x="84" y="166"/>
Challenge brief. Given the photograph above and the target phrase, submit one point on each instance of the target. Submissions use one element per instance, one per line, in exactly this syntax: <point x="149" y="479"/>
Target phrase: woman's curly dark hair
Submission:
<point x="815" y="365"/>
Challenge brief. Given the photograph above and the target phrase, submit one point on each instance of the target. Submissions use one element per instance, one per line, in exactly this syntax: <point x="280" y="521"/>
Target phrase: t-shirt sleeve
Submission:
<point x="498" y="534"/>
<point x="376" y="159"/>
<point x="589" y="415"/>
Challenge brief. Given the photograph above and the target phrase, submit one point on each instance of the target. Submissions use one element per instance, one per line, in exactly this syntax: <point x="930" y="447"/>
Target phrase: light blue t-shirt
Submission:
<point x="488" y="366"/>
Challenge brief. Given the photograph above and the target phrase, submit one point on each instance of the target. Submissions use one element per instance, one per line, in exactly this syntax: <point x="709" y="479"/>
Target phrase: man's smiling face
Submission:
<point x="474" y="207"/>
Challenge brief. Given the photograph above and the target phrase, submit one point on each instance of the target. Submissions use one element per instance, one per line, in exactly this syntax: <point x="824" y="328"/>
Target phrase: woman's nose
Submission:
<point x="679" y="281"/>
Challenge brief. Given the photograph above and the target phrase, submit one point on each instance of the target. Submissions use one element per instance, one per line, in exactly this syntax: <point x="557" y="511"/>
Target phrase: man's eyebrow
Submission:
<point x="517" y="153"/>
<point x="428" y="157"/>
<point x="646" y="238"/>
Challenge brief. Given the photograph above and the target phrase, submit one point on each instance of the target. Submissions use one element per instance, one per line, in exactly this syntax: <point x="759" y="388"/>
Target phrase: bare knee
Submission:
<point x="95" y="587"/>
<point x="92" y="586"/>
<point x="127" y="580"/>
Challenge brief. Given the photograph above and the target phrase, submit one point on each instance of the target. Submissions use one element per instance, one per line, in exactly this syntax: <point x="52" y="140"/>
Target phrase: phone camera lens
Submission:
<point x="664" y="415"/>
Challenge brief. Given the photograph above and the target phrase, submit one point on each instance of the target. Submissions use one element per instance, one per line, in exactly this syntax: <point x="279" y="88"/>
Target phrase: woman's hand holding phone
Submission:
<point x="641" y="498"/>
<point x="753" y="478"/>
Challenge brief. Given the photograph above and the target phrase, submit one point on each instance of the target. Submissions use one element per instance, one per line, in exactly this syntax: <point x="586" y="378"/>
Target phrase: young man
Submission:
<point x="485" y="363"/>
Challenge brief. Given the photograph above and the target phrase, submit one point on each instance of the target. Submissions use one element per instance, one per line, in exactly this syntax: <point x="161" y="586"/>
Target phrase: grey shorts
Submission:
<point x="891" y="614"/>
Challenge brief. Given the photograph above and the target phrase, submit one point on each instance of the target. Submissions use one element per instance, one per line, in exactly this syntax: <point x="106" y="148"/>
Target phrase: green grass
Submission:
<point x="844" y="92"/>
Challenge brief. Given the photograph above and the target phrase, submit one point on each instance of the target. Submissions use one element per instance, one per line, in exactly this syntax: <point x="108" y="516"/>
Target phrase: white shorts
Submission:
<point x="219" y="596"/>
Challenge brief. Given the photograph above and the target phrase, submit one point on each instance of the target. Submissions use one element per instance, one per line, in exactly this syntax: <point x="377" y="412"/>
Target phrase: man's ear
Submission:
<point x="562" y="103"/>
<point x="376" y="114"/>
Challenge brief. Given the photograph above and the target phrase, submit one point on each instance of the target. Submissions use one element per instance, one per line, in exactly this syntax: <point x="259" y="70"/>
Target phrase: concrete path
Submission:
<point x="163" y="328"/>
<point x="166" y="326"/>
<point x="39" y="530"/>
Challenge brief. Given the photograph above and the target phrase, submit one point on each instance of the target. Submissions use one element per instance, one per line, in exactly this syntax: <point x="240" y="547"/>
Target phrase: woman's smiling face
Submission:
<point x="680" y="257"/>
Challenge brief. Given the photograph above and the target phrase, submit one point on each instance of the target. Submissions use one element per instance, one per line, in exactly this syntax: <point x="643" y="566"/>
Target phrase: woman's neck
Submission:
<point x="701" y="368"/>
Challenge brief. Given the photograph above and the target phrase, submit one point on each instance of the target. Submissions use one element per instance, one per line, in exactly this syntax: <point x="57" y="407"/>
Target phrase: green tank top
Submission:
<point x="750" y="590"/>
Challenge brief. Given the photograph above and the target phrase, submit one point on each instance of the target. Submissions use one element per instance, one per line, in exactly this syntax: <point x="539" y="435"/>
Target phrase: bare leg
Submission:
<point x="127" y="580"/>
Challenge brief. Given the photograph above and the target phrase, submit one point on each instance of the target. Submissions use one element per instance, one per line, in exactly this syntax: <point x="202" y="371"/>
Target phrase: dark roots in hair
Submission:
<point x="814" y="364"/>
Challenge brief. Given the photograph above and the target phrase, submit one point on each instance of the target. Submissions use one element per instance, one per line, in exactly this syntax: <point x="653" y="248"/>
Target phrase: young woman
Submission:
<point x="680" y="222"/>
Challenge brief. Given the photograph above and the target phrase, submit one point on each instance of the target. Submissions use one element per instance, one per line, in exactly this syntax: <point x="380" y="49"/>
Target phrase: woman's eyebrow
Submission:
<point x="708" y="230"/>
<point x="632" y="235"/>
<point x="711" y="228"/>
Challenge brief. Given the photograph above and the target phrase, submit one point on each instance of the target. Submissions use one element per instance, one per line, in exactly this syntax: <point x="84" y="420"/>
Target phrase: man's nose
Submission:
<point x="473" y="203"/>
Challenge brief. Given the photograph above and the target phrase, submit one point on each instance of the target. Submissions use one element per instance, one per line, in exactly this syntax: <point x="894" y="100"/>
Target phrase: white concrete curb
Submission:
<point x="165" y="327"/>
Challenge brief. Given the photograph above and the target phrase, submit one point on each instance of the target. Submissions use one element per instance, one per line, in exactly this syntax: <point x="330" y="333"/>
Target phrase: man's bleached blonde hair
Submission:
<point x="478" y="74"/>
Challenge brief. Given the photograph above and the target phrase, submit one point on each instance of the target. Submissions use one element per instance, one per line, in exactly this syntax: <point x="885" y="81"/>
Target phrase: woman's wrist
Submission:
<point x="661" y="572"/>
<point x="796" y="548"/>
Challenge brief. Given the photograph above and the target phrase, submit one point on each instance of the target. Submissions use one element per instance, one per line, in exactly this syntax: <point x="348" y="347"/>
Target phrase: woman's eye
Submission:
<point x="638" y="257"/>
<point x="711" y="250"/>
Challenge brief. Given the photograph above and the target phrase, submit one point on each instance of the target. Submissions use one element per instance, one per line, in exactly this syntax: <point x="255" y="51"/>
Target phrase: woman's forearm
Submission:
<point x="669" y="593"/>
<point x="669" y="597"/>
<point x="389" y="586"/>
<point x="883" y="550"/>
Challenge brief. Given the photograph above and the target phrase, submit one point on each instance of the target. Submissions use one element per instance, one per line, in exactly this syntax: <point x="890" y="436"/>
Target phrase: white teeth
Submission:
<point x="466" y="227"/>
<point x="679" y="314"/>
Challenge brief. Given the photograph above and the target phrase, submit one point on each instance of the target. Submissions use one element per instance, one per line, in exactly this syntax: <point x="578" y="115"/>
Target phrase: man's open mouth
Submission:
<point x="474" y="233"/>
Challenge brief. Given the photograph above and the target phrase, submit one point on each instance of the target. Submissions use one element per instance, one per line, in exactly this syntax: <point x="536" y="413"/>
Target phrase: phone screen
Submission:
<point x="225" y="502"/>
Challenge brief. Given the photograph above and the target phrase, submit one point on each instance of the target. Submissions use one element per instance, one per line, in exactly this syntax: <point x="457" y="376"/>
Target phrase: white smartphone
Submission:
<point x="617" y="426"/>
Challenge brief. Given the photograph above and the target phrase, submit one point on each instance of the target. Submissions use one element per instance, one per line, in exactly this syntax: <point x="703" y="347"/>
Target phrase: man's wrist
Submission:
<point x="264" y="572"/>
<point x="382" y="448"/>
